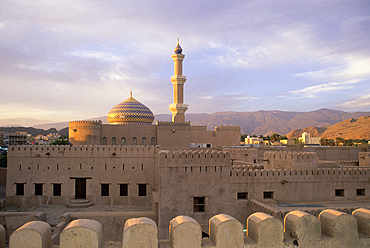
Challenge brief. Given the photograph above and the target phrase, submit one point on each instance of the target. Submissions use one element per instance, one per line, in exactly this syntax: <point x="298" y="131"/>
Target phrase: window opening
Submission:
<point x="199" y="204"/>
<point x="104" y="189"/>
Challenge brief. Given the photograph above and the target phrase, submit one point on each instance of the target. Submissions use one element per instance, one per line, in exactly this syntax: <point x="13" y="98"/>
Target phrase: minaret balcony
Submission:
<point x="178" y="79"/>
<point x="178" y="105"/>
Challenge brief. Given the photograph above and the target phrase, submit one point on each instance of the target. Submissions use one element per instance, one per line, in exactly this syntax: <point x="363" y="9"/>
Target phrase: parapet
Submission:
<point x="47" y="151"/>
<point x="171" y="123"/>
<point x="299" y="229"/>
<point x="290" y="160"/>
<point x="193" y="158"/>
<point x="85" y="122"/>
<point x="227" y="128"/>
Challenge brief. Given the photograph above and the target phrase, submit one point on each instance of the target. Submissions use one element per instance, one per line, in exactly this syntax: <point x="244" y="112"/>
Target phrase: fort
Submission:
<point x="200" y="188"/>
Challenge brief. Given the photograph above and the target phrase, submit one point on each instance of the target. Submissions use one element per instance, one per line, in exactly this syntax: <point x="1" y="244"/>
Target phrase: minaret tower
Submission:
<point x="178" y="107"/>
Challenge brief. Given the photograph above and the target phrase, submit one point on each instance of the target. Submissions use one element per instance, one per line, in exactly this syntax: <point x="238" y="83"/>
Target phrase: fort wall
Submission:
<point x="323" y="153"/>
<point x="290" y="160"/>
<point x="185" y="176"/>
<point x="249" y="155"/>
<point x="331" y="229"/>
<point x="364" y="159"/>
<point x="97" y="165"/>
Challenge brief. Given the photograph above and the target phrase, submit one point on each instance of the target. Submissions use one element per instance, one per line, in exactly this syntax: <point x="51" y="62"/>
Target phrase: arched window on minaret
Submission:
<point x="143" y="141"/>
<point x="134" y="141"/>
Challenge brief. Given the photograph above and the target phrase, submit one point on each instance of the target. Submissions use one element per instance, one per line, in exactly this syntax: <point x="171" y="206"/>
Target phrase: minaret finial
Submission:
<point x="130" y="93"/>
<point x="178" y="48"/>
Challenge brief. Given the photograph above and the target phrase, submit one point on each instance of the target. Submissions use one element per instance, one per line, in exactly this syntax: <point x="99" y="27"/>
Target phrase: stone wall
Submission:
<point x="331" y="229"/>
<point x="110" y="165"/>
<point x="290" y="160"/>
<point x="186" y="176"/>
<point x="323" y="152"/>
<point x="364" y="159"/>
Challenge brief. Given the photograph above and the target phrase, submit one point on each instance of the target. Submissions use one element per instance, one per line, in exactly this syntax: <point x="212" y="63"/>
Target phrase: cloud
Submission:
<point x="354" y="66"/>
<point x="312" y="91"/>
<point x="363" y="101"/>
<point x="71" y="56"/>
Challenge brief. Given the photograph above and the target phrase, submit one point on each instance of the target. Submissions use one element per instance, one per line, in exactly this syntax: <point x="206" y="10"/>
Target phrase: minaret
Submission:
<point x="178" y="107"/>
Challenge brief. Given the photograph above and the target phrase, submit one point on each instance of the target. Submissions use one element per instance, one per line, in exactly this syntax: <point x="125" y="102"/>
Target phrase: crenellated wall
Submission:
<point x="323" y="152"/>
<point x="332" y="229"/>
<point x="97" y="165"/>
<point x="364" y="159"/>
<point x="249" y="155"/>
<point x="290" y="160"/>
<point x="193" y="158"/>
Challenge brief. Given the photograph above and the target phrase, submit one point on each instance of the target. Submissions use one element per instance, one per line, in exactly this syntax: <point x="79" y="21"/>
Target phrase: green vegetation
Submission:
<point x="273" y="137"/>
<point x="63" y="140"/>
<point x="343" y="142"/>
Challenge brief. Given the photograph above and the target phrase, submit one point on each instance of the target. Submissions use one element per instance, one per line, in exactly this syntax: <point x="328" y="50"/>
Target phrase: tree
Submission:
<point x="242" y="137"/>
<point x="275" y="137"/>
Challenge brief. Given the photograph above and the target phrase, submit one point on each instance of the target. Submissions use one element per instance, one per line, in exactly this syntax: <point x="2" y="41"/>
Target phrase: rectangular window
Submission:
<point x="57" y="189"/>
<point x="38" y="188"/>
<point x="360" y="192"/>
<point x="123" y="189"/>
<point x="339" y="192"/>
<point x="19" y="189"/>
<point x="268" y="195"/>
<point x="242" y="195"/>
<point x="199" y="204"/>
<point x="142" y="189"/>
<point x="104" y="189"/>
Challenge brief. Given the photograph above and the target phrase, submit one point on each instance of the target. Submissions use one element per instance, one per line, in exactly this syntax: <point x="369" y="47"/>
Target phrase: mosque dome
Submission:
<point x="131" y="112"/>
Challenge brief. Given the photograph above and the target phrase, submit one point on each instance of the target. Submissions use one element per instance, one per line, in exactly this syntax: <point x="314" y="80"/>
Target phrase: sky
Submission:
<point x="72" y="60"/>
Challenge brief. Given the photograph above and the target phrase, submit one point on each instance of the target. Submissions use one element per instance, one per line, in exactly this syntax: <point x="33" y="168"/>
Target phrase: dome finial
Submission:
<point x="130" y="93"/>
<point x="178" y="48"/>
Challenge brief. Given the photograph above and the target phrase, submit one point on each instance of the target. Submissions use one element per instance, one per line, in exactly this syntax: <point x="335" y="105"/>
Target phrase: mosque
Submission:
<point x="130" y="123"/>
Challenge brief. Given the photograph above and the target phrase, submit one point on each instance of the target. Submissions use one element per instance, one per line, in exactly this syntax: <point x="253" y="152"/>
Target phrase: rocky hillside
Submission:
<point x="354" y="128"/>
<point x="251" y="123"/>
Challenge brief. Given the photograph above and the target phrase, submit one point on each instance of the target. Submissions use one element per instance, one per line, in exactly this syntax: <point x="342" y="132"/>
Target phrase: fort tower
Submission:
<point x="178" y="107"/>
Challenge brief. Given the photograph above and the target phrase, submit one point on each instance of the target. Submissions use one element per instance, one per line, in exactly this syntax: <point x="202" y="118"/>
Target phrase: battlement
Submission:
<point x="193" y="158"/>
<point x="171" y="123"/>
<point x="48" y="151"/>
<point x="331" y="229"/>
<point x="290" y="160"/>
<point x="99" y="122"/>
<point x="244" y="166"/>
<point x="299" y="175"/>
<point x="228" y="128"/>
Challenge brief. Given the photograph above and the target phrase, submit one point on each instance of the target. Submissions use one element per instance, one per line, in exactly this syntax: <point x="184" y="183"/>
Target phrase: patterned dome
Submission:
<point x="131" y="112"/>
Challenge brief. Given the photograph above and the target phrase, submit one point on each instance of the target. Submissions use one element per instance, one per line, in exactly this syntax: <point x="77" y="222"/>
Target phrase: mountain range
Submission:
<point x="349" y="129"/>
<point x="251" y="123"/>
